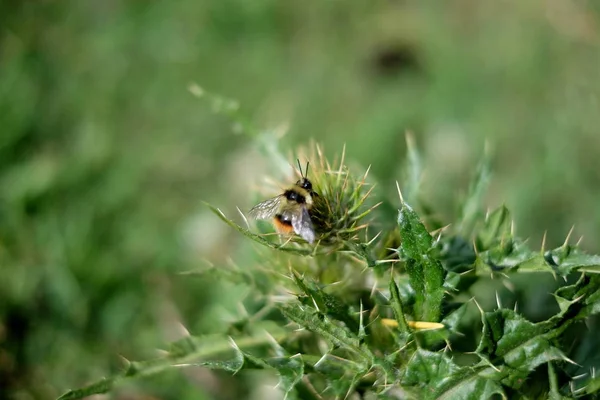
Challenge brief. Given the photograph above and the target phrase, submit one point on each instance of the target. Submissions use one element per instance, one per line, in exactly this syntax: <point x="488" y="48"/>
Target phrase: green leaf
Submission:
<point x="397" y="306"/>
<point x="315" y="321"/>
<point x="506" y="256"/>
<point x="425" y="271"/>
<point x="290" y="370"/>
<point x="566" y="259"/>
<point x="578" y="301"/>
<point x="325" y="302"/>
<point x="439" y="378"/>
<point x="496" y="228"/>
<point x="517" y="344"/>
<point x="334" y="367"/>
<point x="258" y="238"/>
<point x="100" y="387"/>
<point x="184" y="353"/>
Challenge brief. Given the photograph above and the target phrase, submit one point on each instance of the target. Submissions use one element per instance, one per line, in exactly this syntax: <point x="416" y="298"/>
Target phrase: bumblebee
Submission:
<point x="290" y="210"/>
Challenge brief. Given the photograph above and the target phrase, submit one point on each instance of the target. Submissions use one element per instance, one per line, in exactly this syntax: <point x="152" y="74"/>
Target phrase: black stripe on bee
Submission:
<point x="284" y="219"/>
<point x="292" y="195"/>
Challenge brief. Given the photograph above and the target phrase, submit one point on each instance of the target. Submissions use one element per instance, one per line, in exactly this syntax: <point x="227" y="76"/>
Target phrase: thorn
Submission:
<point x="448" y="345"/>
<point x="366" y="173"/>
<point x="439" y="231"/>
<point x="512" y="228"/>
<point x="475" y="247"/>
<point x="321" y="360"/>
<point x="544" y="241"/>
<point x="577" y="299"/>
<point x="399" y="192"/>
<point x="366" y="195"/>
<point x="579" y="241"/>
<point x="515" y="308"/>
<point x="568" y="236"/>
<point x="581" y="389"/>
<point x="498" y="303"/>
<point x="580" y="376"/>
<point x="491" y="365"/>
<point x="478" y="306"/>
<point x="244" y="218"/>
<point x="374" y="238"/>
<point x="374" y="288"/>
<point x="360" y="318"/>
<point x="315" y="303"/>
<point x="572" y="387"/>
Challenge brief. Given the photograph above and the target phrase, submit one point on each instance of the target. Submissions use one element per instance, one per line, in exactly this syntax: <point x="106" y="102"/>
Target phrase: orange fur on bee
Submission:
<point x="282" y="227"/>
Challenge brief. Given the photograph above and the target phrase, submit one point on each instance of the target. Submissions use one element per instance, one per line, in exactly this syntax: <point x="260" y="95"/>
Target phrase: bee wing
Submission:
<point x="303" y="225"/>
<point x="266" y="209"/>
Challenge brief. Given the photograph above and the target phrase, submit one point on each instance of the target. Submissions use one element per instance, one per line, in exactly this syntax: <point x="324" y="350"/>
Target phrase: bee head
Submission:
<point x="304" y="184"/>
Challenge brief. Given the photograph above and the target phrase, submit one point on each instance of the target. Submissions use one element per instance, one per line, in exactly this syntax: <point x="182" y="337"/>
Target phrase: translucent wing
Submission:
<point x="303" y="225"/>
<point x="266" y="209"/>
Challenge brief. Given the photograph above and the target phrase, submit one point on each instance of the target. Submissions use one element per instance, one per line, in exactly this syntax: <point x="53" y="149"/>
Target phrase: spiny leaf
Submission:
<point x="397" y="306"/>
<point x="520" y="344"/>
<point x="257" y="238"/>
<point x="316" y="322"/>
<point x="440" y="378"/>
<point x="100" y="387"/>
<point x="495" y="229"/>
<point x="290" y="370"/>
<point x="333" y="366"/>
<point x="325" y="302"/>
<point x="567" y="259"/>
<point x="425" y="271"/>
<point x="506" y="256"/>
<point x="183" y="352"/>
<point x="580" y="300"/>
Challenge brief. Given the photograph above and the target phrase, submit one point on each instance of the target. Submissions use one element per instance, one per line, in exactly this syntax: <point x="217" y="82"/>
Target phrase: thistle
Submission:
<point x="334" y="326"/>
<point x="343" y="202"/>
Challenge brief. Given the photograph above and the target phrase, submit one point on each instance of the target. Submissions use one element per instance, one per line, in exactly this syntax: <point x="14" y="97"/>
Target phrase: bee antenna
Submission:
<point x="306" y="170"/>
<point x="299" y="167"/>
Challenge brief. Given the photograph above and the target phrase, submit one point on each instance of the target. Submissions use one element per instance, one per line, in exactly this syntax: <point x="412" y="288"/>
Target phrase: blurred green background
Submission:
<point x="105" y="156"/>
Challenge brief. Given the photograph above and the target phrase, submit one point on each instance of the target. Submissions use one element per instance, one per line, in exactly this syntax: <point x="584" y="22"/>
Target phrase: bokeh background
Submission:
<point x="106" y="157"/>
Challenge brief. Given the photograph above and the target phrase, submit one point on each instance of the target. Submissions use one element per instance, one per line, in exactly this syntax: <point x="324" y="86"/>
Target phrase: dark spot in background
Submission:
<point x="393" y="59"/>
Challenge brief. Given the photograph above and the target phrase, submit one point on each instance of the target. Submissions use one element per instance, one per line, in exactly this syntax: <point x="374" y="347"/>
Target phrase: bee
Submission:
<point x="290" y="210"/>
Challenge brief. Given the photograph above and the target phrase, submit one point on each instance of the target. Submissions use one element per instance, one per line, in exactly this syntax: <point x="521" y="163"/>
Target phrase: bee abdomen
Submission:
<point x="283" y="223"/>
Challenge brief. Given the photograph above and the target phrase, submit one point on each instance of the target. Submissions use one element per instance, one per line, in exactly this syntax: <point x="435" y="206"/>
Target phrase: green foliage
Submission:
<point x="105" y="160"/>
<point x="402" y="321"/>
